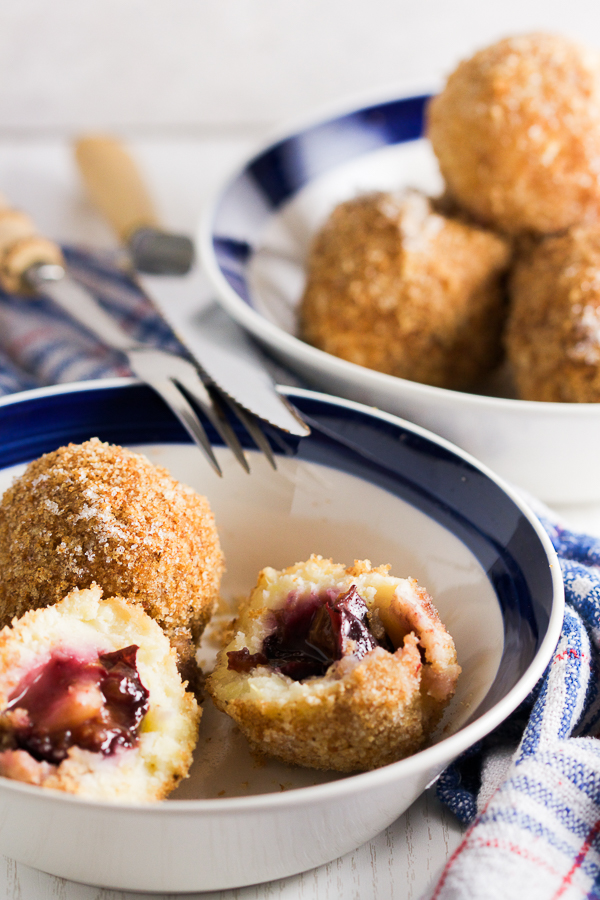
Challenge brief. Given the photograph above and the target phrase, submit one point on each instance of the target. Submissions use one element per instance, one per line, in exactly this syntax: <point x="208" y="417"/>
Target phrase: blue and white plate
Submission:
<point x="363" y="485"/>
<point x="254" y="241"/>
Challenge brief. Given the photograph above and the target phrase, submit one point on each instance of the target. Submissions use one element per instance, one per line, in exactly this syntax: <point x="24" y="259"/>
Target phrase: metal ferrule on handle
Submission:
<point x="21" y="248"/>
<point x="30" y="263"/>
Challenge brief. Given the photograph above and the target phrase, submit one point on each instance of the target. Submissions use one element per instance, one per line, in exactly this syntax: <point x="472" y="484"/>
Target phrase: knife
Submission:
<point x="165" y="270"/>
<point x="31" y="264"/>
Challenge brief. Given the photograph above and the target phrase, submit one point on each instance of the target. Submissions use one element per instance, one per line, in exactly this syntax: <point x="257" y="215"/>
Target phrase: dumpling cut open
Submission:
<point x="336" y="668"/>
<point x="92" y="703"/>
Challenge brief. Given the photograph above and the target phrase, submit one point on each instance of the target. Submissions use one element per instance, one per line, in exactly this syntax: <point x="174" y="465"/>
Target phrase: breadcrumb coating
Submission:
<point x="553" y="331"/>
<point x="86" y="625"/>
<point x="96" y="513"/>
<point x="516" y="131"/>
<point x="395" y="286"/>
<point x="364" y="712"/>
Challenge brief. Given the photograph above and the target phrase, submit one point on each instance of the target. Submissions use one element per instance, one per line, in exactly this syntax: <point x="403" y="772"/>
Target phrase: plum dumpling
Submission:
<point x="92" y="702"/>
<point x="336" y="668"/>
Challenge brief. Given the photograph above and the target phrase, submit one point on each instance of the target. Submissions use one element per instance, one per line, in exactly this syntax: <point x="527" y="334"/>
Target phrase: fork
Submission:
<point x="30" y="263"/>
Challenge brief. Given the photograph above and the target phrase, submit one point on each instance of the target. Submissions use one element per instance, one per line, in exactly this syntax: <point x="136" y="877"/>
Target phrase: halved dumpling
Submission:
<point x="335" y="668"/>
<point x="92" y="703"/>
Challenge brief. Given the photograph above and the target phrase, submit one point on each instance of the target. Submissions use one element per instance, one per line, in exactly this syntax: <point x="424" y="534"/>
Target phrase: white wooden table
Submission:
<point x="38" y="175"/>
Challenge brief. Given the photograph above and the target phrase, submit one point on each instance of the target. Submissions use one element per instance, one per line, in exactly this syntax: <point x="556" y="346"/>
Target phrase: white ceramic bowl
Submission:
<point x="362" y="485"/>
<point x="254" y="240"/>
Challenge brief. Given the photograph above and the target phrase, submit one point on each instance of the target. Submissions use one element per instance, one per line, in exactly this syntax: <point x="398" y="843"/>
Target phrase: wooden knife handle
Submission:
<point x="114" y="184"/>
<point x="20" y="248"/>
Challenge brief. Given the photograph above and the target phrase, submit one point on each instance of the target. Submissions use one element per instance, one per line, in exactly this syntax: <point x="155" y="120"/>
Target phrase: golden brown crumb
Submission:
<point x="365" y="711"/>
<point x="221" y="631"/>
<point x="516" y="131"/>
<point x="394" y="286"/>
<point x="93" y="512"/>
<point x="553" y="332"/>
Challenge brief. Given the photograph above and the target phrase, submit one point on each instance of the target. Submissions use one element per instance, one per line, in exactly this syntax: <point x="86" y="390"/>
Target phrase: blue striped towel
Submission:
<point x="40" y="345"/>
<point x="537" y="835"/>
<point x="533" y="809"/>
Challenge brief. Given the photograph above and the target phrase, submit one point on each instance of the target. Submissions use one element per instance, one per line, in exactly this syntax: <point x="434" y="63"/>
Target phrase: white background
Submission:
<point x="197" y="65"/>
<point x="196" y="84"/>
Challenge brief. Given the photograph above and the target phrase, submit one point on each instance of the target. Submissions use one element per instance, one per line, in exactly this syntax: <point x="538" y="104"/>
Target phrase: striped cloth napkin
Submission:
<point x="40" y="345"/>
<point x="530" y="791"/>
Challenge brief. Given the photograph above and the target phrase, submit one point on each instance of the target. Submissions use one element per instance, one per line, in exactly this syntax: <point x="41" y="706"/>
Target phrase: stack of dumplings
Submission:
<point x="516" y="132"/>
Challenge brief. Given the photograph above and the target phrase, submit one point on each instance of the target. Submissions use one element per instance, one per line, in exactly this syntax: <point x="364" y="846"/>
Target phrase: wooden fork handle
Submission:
<point x="115" y="185"/>
<point x="20" y="248"/>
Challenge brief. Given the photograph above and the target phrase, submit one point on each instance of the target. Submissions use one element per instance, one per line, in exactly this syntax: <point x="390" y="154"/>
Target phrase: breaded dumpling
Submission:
<point x="516" y="131"/>
<point x="397" y="287"/>
<point x="553" y="331"/>
<point x="91" y="701"/>
<point x="94" y="512"/>
<point x="335" y="668"/>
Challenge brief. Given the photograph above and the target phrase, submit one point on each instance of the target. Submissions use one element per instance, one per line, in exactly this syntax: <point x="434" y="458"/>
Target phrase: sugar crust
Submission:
<point x="516" y="131"/>
<point x="553" y="330"/>
<point x="396" y="286"/>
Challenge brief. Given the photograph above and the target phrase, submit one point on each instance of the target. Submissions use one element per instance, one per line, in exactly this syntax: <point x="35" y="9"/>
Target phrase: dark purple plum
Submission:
<point x="96" y="705"/>
<point x="310" y="633"/>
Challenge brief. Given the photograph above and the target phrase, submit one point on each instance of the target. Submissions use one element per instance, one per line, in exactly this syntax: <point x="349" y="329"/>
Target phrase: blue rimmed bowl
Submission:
<point x="254" y="240"/>
<point x="364" y="484"/>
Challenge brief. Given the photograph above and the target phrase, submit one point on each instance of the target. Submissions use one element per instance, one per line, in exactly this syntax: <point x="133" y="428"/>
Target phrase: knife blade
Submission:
<point x="166" y="272"/>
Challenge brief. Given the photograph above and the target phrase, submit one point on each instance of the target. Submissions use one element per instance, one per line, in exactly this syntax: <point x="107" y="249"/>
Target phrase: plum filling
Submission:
<point x="310" y="634"/>
<point x="68" y="702"/>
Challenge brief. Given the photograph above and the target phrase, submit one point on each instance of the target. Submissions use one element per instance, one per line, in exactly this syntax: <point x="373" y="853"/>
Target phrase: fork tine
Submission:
<point x="186" y="415"/>
<point x="253" y="428"/>
<point x="210" y="405"/>
<point x="167" y="373"/>
<point x="232" y="438"/>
